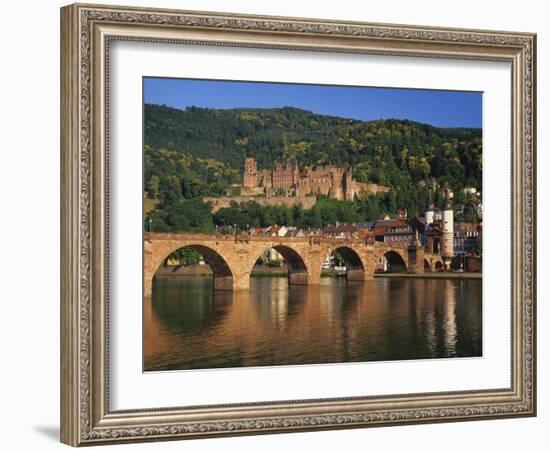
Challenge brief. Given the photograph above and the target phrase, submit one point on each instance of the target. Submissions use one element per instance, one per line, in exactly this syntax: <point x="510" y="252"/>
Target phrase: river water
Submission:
<point x="189" y="326"/>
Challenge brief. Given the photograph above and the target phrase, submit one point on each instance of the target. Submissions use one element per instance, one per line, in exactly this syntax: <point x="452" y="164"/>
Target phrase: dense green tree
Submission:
<point x="198" y="152"/>
<point x="470" y="215"/>
<point x="153" y="186"/>
<point x="180" y="215"/>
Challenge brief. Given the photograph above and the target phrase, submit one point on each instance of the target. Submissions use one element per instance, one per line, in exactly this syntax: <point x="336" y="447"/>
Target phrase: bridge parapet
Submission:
<point x="245" y="237"/>
<point x="154" y="236"/>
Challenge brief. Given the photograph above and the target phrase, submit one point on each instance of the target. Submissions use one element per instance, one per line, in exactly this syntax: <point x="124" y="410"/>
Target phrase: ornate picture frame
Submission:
<point x="87" y="31"/>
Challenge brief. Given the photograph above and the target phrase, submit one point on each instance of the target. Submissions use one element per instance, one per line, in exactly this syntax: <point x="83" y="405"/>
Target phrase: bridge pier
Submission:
<point x="298" y="278"/>
<point x="304" y="278"/>
<point x="358" y="274"/>
<point x="314" y="271"/>
<point x="147" y="286"/>
<point x="223" y="283"/>
<point x="419" y="260"/>
<point x="240" y="282"/>
<point x="149" y="268"/>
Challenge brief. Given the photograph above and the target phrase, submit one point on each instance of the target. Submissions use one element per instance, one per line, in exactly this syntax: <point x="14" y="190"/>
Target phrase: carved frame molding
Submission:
<point x="86" y="32"/>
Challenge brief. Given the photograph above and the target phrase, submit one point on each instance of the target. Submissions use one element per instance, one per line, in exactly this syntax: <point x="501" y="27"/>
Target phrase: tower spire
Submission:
<point x="447" y="243"/>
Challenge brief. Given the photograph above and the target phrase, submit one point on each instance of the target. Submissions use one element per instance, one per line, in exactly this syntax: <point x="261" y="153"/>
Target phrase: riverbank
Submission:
<point x="278" y="272"/>
<point x="197" y="270"/>
<point x="431" y="275"/>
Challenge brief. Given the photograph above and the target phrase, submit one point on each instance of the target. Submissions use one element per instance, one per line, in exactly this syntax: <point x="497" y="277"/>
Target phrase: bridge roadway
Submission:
<point x="232" y="257"/>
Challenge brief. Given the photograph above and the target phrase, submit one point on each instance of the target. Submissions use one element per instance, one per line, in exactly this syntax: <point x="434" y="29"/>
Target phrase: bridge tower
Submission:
<point x="447" y="238"/>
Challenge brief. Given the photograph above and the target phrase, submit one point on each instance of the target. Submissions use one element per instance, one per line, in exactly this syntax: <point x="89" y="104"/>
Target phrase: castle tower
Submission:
<point x="447" y="238"/>
<point x="336" y="183"/>
<point x="347" y="185"/>
<point x="250" y="176"/>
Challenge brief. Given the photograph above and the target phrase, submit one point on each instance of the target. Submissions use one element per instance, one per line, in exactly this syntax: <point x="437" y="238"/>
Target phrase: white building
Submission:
<point x="447" y="237"/>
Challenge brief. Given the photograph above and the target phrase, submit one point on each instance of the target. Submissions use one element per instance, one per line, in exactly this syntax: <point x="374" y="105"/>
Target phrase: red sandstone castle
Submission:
<point x="288" y="180"/>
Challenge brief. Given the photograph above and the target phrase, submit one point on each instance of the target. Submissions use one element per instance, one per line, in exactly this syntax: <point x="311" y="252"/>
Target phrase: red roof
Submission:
<point x="390" y="224"/>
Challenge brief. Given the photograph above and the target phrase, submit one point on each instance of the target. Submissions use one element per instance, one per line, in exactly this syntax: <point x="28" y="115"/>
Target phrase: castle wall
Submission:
<point x="225" y="202"/>
<point x="250" y="191"/>
<point x="284" y="176"/>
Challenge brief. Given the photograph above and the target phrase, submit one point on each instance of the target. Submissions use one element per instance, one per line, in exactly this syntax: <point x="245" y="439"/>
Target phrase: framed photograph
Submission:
<point x="276" y="224"/>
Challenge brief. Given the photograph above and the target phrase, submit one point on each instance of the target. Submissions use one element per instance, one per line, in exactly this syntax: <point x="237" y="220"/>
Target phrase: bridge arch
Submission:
<point x="355" y="266"/>
<point x="298" y="269"/>
<point x="396" y="261"/>
<point x="222" y="273"/>
<point x="232" y="257"/>
<point x="427" y="265"/>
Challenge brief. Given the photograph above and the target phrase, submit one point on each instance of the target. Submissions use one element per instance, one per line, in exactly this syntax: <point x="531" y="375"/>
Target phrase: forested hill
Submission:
<point x="288" y="133"/>
<point x="201" y="152"/>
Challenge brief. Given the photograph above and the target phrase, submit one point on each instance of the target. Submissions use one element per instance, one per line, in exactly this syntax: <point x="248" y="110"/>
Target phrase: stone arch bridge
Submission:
<point x="232" y="257"/>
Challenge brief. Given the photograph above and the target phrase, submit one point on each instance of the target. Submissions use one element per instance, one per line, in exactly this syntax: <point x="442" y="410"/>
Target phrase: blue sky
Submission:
<point x="438" y="108"/>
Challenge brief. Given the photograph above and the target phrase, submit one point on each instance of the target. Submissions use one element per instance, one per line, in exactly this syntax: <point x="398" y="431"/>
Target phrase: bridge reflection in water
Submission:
<point x="187" y="325"/>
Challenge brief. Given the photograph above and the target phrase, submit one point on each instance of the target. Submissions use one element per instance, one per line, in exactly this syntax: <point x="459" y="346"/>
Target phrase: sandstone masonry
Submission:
<point x="287" y="180"/>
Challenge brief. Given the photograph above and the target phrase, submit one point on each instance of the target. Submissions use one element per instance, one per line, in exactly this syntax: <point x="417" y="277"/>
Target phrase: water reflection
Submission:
<point x="189" y="326"/>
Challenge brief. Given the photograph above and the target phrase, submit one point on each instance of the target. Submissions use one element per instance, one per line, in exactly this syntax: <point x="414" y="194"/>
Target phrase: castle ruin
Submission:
<point x="287" y="180"/>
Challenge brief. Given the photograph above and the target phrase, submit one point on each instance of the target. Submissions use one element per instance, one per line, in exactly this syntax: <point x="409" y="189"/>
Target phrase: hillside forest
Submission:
<point x="197" y="152"/>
